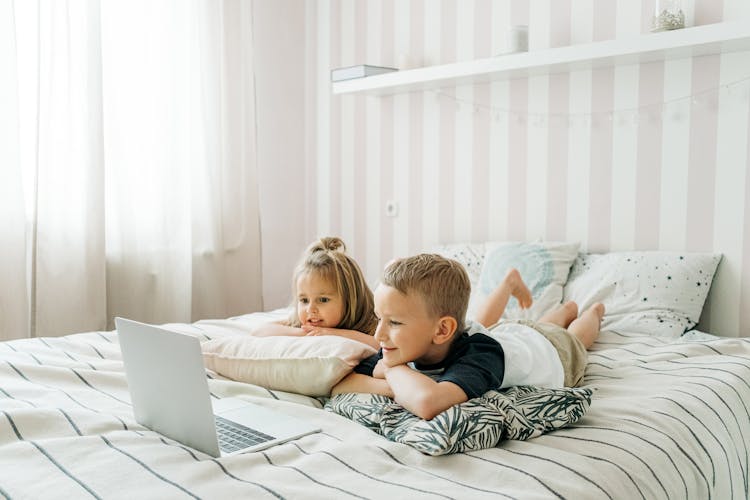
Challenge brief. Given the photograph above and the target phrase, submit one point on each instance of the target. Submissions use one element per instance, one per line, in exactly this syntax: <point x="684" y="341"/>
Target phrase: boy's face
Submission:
<point x="318" y="302"/>
<point x="406" y="328"/>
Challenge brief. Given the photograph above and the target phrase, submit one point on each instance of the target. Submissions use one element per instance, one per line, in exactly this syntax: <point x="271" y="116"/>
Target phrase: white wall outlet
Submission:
<point x="391" y="208"/>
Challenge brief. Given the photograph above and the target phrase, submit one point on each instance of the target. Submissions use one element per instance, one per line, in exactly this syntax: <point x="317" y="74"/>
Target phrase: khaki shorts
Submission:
<point x="572" y="352"/>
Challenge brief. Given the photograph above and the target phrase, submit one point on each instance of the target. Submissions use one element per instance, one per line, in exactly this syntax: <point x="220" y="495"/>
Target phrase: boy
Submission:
<point x="428" y="362"/>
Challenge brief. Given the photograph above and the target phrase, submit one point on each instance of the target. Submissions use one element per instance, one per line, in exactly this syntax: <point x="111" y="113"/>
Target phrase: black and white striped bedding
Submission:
<point x="667" y="420"/>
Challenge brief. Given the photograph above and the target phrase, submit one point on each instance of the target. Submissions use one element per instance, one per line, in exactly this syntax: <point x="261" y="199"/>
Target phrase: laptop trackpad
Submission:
<point x="271" y="422"/>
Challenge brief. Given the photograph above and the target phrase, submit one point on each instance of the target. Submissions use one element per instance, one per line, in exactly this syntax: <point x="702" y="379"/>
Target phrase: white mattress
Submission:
<point x="667" y="420"/>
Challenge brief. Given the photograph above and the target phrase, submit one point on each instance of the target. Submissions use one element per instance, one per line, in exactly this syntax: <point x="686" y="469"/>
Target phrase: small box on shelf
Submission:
<point x="358" y="71"/>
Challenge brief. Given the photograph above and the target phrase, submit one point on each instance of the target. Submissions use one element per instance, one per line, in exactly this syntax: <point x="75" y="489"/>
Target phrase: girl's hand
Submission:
<point x="316" y="331"/>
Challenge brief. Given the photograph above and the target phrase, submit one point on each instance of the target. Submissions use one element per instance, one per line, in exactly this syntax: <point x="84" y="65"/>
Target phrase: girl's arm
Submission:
<point x="277" y="328"/>
<point x="349" y="334"/>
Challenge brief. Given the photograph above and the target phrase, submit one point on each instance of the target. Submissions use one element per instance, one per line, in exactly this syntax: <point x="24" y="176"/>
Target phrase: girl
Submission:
<point x="331" y="297"/>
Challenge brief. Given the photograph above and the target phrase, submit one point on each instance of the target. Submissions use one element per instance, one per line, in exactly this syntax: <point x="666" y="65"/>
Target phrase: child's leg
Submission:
<point x="562" y="315"/>
<point x="586" y="326"/>
<point x="492" y="309"/>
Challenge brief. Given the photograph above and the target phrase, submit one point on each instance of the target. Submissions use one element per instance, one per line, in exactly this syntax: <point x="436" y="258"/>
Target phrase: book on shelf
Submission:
<point x="358" y="71"/>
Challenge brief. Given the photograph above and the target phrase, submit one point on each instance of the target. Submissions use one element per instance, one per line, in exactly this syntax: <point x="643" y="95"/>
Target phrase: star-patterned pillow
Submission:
<point x="651" y="292"/>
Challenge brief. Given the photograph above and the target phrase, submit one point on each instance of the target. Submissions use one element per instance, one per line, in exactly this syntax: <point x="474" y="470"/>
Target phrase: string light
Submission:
<point x="650" y="112"/>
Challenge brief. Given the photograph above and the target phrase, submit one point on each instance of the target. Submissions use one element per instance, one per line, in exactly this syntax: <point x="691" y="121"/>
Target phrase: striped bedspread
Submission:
<point x="668" y="420"/>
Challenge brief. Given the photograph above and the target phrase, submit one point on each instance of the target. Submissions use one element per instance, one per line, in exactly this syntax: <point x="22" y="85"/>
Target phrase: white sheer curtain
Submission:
<point x="14" y="292"/>
<point x="136" y="149"/>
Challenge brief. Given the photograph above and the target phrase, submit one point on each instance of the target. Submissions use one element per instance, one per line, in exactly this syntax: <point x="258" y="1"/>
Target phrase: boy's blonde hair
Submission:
<point x="442" y="283"/>
<point x="328" y="259"/>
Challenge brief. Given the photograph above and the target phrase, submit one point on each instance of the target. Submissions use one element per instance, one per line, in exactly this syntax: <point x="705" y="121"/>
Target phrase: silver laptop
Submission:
<point x="169" y="392"/>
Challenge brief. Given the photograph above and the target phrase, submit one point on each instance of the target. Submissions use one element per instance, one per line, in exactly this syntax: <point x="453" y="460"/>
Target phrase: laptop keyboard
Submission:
<point x="233" y="436"/>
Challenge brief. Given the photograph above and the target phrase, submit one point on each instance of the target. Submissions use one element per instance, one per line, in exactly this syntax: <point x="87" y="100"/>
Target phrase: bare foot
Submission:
<point x="588" y="324"/>
<point x="562" y="315"/>
<point x="571" y="308"/>
<point x="518" y="288"/>
<point x="598" y="309"/>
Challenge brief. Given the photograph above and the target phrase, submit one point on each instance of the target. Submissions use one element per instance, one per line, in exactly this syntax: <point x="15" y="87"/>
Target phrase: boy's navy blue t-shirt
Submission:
<point x="475" y="363"/>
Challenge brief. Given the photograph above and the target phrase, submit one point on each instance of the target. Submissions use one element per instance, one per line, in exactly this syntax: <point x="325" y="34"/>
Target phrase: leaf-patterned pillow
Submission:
<point x="520" y="413"/>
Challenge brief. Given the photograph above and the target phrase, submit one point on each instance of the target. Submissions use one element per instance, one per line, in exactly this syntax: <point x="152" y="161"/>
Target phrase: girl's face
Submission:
<point x="319" y="303"/>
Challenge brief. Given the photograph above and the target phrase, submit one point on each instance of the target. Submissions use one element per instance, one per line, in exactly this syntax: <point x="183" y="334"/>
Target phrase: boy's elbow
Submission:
<point x="427" y="413"/>
<point x="427" y="408"/>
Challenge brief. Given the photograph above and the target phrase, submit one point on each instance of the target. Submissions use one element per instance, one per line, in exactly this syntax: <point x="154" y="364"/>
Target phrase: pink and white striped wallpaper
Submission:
<point x="649" y="156"/>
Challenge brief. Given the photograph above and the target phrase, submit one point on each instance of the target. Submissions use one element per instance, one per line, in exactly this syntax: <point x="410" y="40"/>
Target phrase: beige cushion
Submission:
<point x="303" y="365"/>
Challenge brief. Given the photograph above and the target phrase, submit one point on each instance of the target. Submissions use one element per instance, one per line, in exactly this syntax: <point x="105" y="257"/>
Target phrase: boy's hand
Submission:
<point x="518" y="288"/>
<point x="380" y="369"/>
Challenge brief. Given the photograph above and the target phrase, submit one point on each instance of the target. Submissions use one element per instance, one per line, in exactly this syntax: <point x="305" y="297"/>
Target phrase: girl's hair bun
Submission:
<point x="328" y="243"/>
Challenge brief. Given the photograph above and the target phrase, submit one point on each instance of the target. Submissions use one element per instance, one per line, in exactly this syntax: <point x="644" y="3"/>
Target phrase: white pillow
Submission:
<point x="544" y="267"/>
<point x="470" y="255"/>
<point x="303" y="365"/>
<point x="652" y="292"/>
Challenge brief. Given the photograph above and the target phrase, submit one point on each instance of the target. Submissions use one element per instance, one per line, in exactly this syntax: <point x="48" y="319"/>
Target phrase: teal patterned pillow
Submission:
<point x="520" y="413"/>
<point x="544" y="267"/>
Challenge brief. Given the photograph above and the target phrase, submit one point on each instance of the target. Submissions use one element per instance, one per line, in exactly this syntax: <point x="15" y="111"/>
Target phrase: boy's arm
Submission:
<point x="356" y="382"/>
<point x="421" y="395"/>
<point x="349" y="334"/>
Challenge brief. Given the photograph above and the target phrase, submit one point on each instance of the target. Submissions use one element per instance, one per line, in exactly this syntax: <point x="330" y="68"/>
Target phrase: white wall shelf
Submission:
<point x="708" y="39"/>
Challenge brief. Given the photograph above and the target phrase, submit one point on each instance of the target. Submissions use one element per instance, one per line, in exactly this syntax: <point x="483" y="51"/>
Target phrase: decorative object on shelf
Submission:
<point x="358" y="71"/>
<point x="517" y="39"/>
<point x="405" y="61"/>
<point x="668" y="15"/>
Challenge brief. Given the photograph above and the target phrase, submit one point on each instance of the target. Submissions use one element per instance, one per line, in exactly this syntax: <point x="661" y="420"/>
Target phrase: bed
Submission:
<point x="669" y="418"/>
